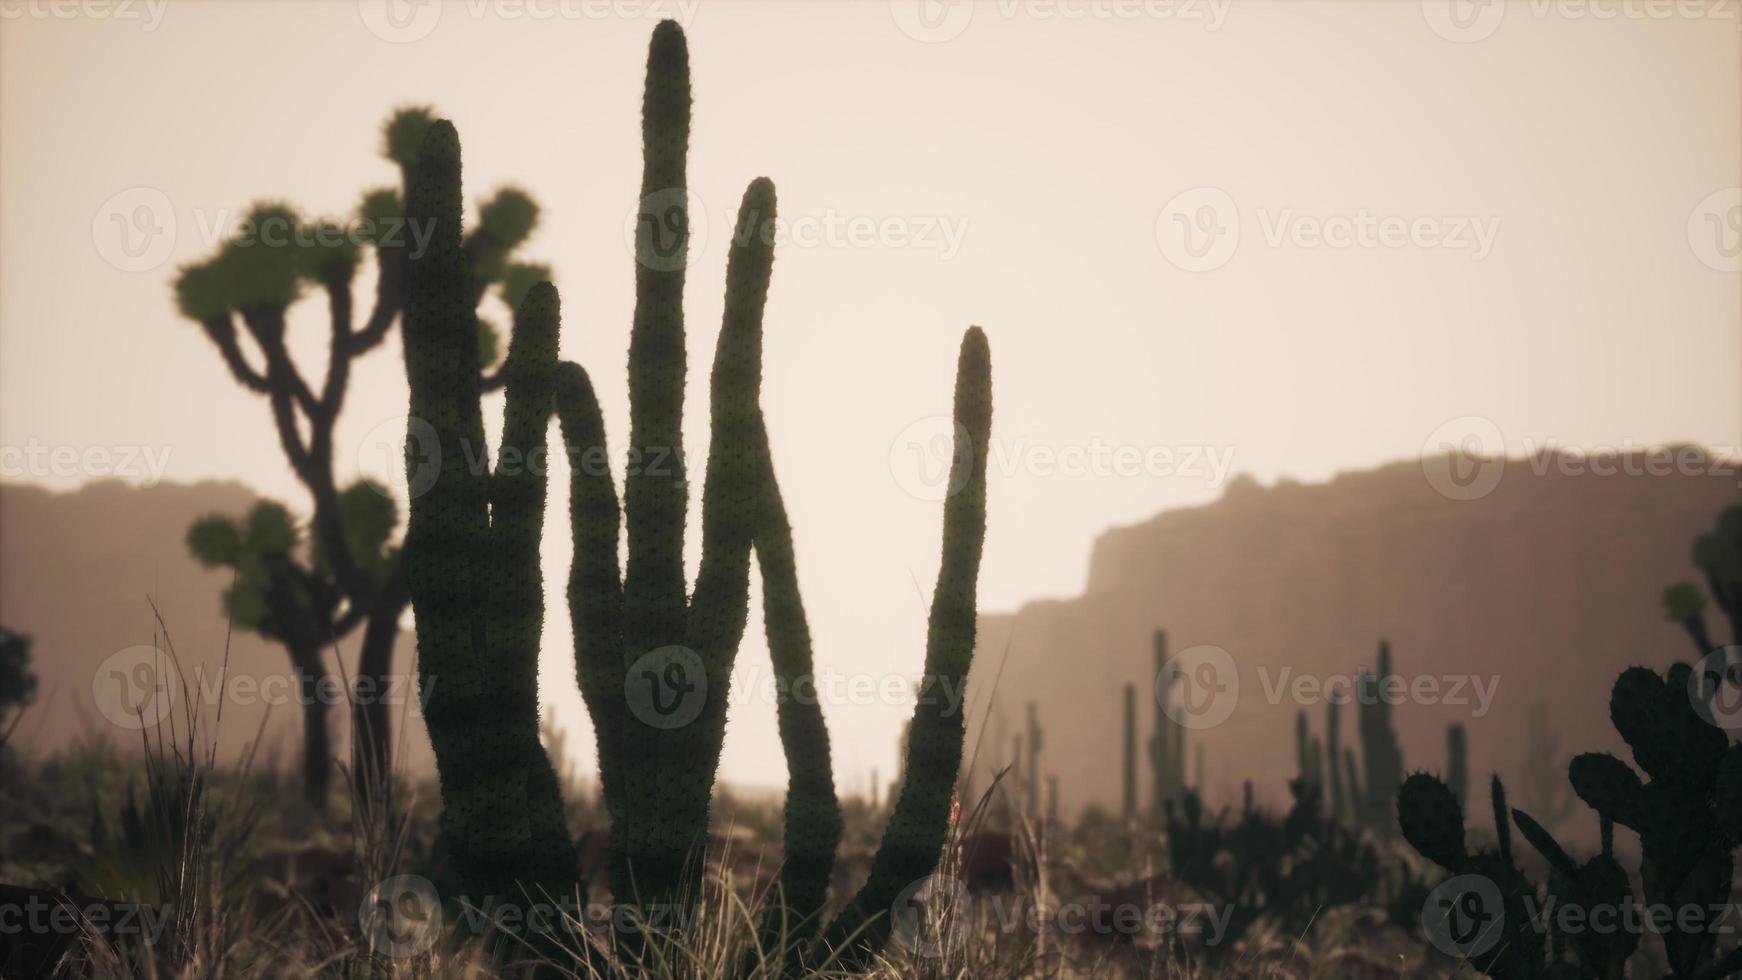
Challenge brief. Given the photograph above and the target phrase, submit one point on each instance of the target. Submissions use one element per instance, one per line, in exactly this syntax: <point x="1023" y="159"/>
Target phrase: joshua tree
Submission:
<point x="1718" y="555"/>
<point x="653" y="657"/>
<point x="349" y="575"/>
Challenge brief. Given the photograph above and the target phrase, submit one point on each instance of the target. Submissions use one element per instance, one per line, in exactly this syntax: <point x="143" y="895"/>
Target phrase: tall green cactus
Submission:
<point x="1167" y="746"/>
<point x="473" y="546"/>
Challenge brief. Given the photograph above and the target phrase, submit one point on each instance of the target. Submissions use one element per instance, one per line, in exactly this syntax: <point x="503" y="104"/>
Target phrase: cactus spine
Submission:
<point x="475" y="580"/>
<point x="1167" y="747"/>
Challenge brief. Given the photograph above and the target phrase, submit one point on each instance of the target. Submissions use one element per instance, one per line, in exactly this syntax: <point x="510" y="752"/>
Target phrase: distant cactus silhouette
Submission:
<point x="475" y="580"/>
<point x="1128" y="746"/>
<point x="1372" y="789"/>
<point x="1308" y="756"/>
<point x="352" y="576"/>
<point x="1543" y="788"/>
<point x="1167" y="746"/>
<point x="1036" y="741"/>
<point x="1458" y="763"/>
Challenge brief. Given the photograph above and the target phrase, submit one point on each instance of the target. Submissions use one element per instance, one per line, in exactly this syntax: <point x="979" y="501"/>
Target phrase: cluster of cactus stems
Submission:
<point x="1687" y="810"/>
<point x="1370" y="790"/>
<point x="476" y="587"/>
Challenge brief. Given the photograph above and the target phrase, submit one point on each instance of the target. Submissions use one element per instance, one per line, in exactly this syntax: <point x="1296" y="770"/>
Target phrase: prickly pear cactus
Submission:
<point x="1685" y="811"/>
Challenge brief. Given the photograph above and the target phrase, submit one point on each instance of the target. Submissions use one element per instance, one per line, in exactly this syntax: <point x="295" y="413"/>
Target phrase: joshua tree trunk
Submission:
<point x="372" y="700"/>
<point x="317" y="742"/>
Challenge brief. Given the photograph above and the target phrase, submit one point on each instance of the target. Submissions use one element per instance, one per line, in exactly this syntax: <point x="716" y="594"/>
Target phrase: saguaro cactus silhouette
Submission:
<point x="639" y="630"/>
<point x="1381" y="758"/>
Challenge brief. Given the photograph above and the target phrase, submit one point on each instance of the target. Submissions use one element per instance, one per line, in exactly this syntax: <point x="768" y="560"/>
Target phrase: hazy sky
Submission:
<point x="1283" y="238"/>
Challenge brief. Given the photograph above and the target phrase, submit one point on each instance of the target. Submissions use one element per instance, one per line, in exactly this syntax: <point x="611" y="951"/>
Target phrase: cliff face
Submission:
<point x="79" y="573"/>
<point x="1546" y="588"/>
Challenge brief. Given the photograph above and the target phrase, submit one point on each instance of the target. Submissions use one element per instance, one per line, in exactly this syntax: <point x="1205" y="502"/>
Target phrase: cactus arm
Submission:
<point x="514" y="619"/>
<point x="595" y="592"/>
<point x="1544" y="842"/>
<point x="489" y="760"/>
<point x="917" y="828"/>
<point x="813" y="813"/>
<point x="731" y="500"/>
<point x="222" y="332"/>
<point x="655" y="497"/>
